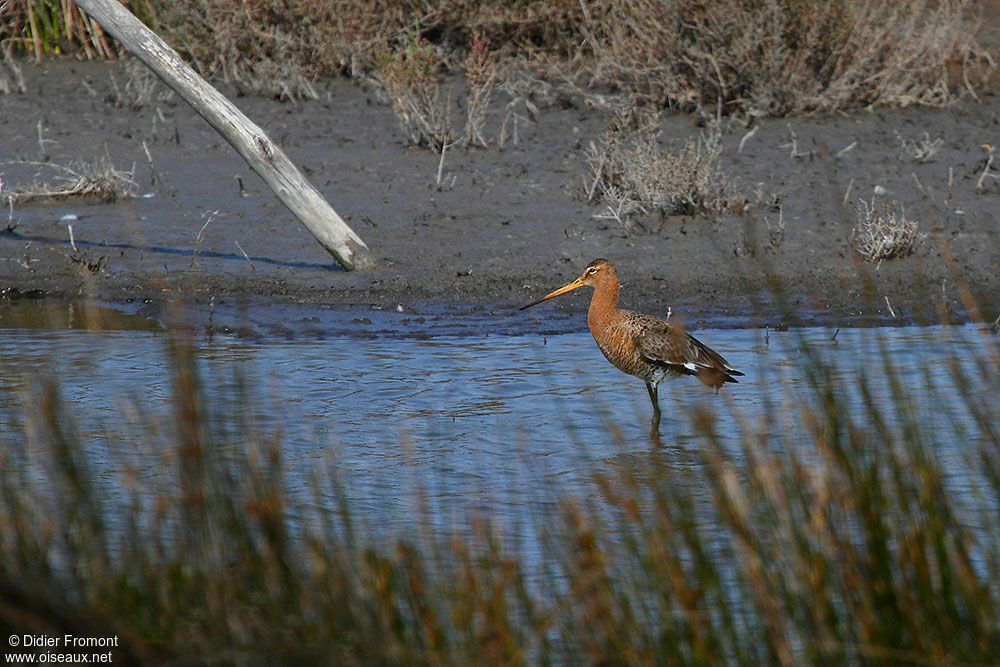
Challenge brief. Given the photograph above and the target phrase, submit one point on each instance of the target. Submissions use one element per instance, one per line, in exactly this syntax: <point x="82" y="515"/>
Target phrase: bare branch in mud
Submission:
<point x="889" y="306"/>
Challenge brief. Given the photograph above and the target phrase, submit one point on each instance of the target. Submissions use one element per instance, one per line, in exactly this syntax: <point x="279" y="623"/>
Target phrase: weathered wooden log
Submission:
<point x="263" y="155"/>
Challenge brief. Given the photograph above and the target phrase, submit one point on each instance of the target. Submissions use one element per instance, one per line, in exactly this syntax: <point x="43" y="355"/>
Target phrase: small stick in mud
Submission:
<point x="440" y="171"/>
<point x="794" y="145"/>
<point x="986" y="169"/>
<point x="919" y="185"/>
<point x="847" y="149"/>
<point x="154" y="175"/>
<point x="739" y="149"/>
<point x="600" y="172"/>
<point x="246" y="255"/>
<point x="848" y="193"/>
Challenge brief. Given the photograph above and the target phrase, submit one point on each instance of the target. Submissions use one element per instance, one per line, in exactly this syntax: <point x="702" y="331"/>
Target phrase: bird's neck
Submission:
<point x="603" y="306"/>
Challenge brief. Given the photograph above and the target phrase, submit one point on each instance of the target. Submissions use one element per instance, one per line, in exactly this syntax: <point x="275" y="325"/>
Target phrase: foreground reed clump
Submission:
<point x="836" y="541"/>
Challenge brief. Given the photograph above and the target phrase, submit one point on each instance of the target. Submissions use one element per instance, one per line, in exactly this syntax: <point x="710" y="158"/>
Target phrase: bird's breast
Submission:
<point x="617" y="342"/>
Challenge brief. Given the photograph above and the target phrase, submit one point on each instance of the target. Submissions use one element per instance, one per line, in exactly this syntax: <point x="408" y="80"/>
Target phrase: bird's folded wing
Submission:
<point x="664" y="343"/>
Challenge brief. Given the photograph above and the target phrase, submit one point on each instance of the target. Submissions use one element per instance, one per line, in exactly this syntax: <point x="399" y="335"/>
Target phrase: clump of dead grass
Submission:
<point x="634" y="175"/>
<point x="883" y="231"/>
<point x="97" y="180"/>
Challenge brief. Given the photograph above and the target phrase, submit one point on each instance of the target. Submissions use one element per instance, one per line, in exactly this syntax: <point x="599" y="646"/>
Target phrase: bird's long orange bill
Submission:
<point x="562" y="290"/>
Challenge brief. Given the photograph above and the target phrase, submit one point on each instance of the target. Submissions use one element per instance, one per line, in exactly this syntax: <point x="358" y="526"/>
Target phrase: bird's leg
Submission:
<point x="654" y="399"/>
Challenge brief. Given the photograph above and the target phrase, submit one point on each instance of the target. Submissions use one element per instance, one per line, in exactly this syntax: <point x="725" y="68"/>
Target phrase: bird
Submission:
<point x="643" y="345"/>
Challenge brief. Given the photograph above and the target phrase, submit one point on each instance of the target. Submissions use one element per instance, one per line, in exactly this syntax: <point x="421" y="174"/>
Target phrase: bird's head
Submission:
<point x="597" y="272"/>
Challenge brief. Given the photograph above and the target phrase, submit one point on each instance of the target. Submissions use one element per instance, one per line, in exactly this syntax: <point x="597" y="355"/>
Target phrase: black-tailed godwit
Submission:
<point x="643" y="345"/>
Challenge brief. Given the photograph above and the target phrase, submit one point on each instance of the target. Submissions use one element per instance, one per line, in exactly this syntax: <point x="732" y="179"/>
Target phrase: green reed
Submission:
<point x="59" y="27"/>
<point x="837" y="541"/>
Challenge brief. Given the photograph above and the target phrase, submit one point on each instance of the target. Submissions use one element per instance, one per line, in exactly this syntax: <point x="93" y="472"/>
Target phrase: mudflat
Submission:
<point x="501" y="226"/>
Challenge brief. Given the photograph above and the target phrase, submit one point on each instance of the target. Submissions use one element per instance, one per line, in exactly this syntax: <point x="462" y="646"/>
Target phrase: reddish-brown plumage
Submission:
<point x="643" y="345"/>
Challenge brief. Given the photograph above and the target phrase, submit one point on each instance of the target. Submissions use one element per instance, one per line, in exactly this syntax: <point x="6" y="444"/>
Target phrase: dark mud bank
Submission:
<point x="503" y="226"/>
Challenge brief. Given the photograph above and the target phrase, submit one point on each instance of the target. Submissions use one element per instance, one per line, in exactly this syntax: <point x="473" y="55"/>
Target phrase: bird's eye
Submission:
<point x="592" y="270"/>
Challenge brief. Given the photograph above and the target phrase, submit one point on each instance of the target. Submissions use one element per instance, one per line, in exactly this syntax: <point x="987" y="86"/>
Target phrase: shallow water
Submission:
<point x="502" y="423"/>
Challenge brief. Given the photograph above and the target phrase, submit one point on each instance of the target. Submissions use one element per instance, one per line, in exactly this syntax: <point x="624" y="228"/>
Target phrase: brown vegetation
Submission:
<point x="842" y="541"/>
<point x="779" y="58"/>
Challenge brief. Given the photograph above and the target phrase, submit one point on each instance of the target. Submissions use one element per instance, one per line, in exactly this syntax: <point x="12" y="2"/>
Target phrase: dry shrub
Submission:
<point x="883" y="231"/>
<point x="409" y="74"/>
<point x="633" y="174"/>
<point x="786" y="56"/>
